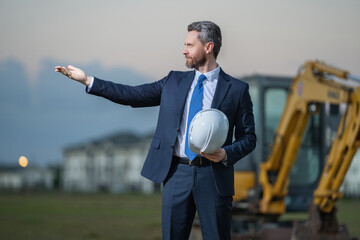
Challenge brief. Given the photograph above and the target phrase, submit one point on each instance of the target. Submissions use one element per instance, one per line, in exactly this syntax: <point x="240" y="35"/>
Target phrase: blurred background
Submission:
<point x="50" y="127"/>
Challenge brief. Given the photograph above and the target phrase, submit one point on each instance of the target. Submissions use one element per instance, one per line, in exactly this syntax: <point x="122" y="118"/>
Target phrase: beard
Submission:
<point x="196" y="62"/>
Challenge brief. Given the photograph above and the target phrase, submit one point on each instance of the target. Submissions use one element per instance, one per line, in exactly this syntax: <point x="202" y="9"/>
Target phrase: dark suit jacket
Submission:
<point x="231" y="97"/>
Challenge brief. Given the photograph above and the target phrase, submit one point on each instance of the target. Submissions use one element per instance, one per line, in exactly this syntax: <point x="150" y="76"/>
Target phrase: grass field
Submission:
<point x="78" y="216"/>
<point x="53" y="216"/>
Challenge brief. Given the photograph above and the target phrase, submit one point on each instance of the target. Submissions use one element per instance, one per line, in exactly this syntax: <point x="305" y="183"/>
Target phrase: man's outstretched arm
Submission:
<point x="145" y="95"/>
<point x="75" y="73"/>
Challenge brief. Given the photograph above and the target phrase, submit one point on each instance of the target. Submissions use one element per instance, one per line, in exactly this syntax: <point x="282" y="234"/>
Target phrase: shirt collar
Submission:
<point x="211" y="76"/>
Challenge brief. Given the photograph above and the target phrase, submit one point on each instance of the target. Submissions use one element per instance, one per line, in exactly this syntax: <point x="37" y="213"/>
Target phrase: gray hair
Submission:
<point x="209" y="32"/>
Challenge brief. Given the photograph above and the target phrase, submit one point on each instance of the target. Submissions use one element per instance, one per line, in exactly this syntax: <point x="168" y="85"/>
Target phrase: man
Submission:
<point x="190" y="183"/>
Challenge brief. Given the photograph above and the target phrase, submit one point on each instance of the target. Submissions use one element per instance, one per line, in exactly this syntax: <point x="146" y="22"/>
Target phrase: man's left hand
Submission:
<point x="218" y="156"/>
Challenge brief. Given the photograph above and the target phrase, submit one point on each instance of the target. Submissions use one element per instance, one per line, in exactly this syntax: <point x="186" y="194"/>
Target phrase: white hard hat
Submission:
<point x="208" y="131"/>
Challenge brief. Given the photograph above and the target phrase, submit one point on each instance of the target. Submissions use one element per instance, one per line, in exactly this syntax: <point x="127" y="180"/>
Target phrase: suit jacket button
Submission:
<point x="178" y="129"/>
<point x="172" y="146"/>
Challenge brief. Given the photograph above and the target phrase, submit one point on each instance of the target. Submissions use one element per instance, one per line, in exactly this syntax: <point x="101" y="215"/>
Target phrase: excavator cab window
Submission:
<point x="274" y="102"/>
<point x="306" y="169"/>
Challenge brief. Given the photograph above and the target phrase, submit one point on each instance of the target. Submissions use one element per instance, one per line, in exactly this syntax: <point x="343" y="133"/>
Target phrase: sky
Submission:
<point x="138" y="41"/>
<point x="148" y="36"/>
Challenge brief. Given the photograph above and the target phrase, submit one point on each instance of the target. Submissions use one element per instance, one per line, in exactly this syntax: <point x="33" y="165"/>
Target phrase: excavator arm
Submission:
<point x="344" y="147"/>
<point x="312" y="87"/>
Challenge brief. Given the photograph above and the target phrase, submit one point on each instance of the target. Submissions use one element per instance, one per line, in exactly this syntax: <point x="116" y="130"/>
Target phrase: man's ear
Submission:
<point x="209" y="47"/>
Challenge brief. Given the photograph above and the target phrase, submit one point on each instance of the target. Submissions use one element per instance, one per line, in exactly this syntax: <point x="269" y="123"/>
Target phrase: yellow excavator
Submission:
<point x="304" y="158"/>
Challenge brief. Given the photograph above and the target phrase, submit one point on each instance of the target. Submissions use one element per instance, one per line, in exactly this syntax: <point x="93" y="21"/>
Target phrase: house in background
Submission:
<point x="111" y="164"/>
<point x="16" y="178"/>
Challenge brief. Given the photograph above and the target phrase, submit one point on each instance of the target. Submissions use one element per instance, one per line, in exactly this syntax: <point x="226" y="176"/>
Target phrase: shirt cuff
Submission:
<point x="224" y="162"/>
<point x="88" y="88"/>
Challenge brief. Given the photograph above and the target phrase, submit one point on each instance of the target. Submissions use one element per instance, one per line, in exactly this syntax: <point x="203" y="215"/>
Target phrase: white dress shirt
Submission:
<point x="209" y="84"/>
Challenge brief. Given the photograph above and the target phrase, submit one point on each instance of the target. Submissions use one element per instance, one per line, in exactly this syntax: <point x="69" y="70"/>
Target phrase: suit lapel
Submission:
<point x="183" y="90"/>
<point x="222" y="88"/>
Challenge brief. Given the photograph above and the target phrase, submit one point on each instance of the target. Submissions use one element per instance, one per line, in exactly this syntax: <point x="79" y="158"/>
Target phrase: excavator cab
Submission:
<point x="269" y="96"/>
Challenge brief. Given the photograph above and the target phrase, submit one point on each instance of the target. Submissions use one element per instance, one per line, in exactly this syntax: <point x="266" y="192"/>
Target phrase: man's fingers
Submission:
<point x="59" y="68"/>
<point x="63" y="70"/>
<point x="217" y="156"/>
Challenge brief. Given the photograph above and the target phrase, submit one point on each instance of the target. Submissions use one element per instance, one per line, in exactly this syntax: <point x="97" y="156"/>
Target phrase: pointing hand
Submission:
<point x="74" y="73"/>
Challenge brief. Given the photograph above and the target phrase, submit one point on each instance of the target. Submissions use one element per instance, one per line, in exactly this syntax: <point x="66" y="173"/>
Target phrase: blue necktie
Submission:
<point x="195" y="107"/>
